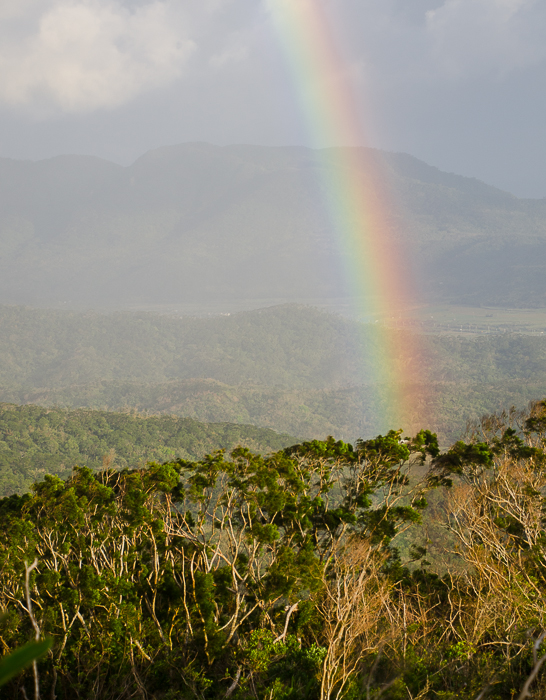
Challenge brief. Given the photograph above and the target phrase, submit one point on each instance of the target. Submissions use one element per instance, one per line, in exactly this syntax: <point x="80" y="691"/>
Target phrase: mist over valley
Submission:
<point x="192" y="231"/>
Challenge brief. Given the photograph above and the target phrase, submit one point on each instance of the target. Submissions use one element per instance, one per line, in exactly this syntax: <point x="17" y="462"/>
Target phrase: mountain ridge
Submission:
<point x="197" y="222"/>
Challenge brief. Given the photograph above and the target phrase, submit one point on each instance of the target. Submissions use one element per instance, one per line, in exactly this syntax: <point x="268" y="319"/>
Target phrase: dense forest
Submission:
<point x="35" y="441"/>
<point x="281" y="576"/>
<point x="290" y="368"/>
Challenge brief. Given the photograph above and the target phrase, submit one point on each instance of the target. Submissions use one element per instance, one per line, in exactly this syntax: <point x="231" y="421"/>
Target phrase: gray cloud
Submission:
<point x="497" y="36"/>
<point x="456" y="40"/>
<point x="82" y="55"/>
<point x="77" y="56"/>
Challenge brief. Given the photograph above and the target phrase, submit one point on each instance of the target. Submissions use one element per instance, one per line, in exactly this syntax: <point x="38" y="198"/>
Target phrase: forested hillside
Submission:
<point x="35" y="441"/>
<point x="291" y="368"/>
<point x="197" y="223"/>
<point x="285" y="346"/>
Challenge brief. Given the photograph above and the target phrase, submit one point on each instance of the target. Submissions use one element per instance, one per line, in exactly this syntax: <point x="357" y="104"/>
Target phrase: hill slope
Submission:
<point x="35" y="441"/>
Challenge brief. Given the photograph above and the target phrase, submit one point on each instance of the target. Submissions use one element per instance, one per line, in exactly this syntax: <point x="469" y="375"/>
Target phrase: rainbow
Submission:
<point x="374" y="263"/>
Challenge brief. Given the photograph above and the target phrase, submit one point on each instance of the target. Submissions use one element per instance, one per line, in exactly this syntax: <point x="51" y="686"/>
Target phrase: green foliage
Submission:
<point x="35" y="441"/>
<point x="459" y="456"/>
<point x="284" y="669"/>
<point x="299" y="574"/>
<point x="211" y="570"/>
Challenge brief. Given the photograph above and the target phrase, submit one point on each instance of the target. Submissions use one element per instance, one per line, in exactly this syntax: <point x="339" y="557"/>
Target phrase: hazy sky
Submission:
<point x="458" y="83"/>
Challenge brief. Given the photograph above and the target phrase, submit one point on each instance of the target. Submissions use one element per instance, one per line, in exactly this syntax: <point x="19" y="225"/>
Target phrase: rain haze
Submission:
<point x="458" y="84"/>
<point x="286" y="197"/>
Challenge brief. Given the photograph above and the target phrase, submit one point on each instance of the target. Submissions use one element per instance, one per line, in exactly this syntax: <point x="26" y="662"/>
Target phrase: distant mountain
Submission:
<point x="196" y="222"/>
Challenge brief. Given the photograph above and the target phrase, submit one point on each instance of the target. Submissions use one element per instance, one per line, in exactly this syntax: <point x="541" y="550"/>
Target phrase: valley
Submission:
<point x="293" y="369"/>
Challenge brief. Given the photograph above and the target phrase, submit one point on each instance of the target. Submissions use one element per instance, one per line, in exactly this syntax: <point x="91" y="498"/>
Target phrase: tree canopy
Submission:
<point x="280" y="576"/>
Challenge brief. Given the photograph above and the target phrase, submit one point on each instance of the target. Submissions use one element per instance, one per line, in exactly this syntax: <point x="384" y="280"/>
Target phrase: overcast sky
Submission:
<point x="460" y="84"/>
